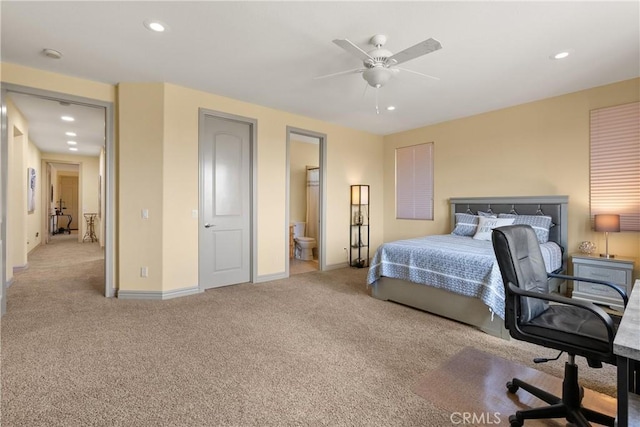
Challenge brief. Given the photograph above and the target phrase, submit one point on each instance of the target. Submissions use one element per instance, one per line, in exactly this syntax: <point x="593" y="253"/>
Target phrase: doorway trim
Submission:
<point x="110" y="177"/>
<point x="321" y="199"/>
<point x="253" y="157"/>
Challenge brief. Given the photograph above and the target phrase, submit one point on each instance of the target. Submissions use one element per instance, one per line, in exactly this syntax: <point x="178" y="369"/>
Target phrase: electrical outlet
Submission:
<point x="145" y="213"/>
<point x="144" y="271"/>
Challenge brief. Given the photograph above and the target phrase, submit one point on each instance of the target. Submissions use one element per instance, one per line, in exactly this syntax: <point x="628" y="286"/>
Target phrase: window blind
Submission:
<point x="615" y="164"/>
<point x="414" y="182"/>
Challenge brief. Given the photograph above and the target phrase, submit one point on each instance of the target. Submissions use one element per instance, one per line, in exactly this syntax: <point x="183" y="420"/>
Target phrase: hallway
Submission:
<point x="58" y="273"/>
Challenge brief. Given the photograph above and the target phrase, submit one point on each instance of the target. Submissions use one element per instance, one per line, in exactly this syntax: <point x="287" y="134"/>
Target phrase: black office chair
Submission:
<point x="534" y="315"/>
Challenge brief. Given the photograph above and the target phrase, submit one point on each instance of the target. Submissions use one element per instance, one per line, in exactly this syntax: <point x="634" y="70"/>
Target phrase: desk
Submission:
<point x="626" y="346"/>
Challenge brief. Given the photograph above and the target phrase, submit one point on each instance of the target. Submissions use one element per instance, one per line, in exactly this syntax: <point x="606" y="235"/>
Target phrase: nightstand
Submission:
<point x="615" y="270"/>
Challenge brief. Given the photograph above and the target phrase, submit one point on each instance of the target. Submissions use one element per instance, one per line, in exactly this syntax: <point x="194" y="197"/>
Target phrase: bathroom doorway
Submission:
<point x="305" y="213"/>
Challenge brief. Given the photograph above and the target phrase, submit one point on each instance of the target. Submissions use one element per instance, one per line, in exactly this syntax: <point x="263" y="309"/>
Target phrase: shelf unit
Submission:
<point x="359" y="228"/>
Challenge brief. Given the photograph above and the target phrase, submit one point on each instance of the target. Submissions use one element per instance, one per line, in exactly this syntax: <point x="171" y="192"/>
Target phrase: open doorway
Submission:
<point x="305" y="154"/>
<point x="65" y="198"/>
<point x="72" y="162"/>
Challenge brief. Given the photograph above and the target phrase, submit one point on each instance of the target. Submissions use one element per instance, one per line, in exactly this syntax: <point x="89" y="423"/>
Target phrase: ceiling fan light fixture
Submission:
<point x="377" y="76"/>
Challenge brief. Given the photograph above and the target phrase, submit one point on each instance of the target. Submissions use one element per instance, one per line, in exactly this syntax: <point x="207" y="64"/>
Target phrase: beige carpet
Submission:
<point x="472" y="381"/>
<point x="311" y="350"/>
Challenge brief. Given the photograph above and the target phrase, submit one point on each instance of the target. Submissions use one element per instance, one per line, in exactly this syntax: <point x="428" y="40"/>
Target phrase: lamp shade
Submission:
<point x="360" y="194"/>
<point x="607" y="222"/>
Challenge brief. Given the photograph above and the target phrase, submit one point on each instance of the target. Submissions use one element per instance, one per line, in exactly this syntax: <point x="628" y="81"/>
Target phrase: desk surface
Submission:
<point x="627" y="340"/>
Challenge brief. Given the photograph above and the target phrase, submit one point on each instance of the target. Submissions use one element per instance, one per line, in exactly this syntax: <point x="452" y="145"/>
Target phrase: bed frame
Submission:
<point x="473" y="311"/>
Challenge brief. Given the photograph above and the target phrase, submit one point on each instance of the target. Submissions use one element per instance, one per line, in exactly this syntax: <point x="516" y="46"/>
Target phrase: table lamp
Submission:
<point x="607" y="223"/>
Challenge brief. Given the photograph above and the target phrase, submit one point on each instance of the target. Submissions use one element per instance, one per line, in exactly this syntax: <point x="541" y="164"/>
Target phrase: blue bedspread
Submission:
<point x="456" y="263"/>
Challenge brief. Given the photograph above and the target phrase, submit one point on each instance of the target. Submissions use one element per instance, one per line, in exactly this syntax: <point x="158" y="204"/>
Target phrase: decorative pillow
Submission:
<point x="466" y="224"/>
<point x="487" y="224"/>
<point x="540" y="224"/>
<point x="487" y="214"/>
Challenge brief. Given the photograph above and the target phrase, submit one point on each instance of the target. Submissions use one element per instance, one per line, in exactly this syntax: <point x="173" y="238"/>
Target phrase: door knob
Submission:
<point x="207" y="225"/>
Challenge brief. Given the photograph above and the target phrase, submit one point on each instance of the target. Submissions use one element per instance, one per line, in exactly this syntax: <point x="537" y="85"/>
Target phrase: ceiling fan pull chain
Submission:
<point x="377" y="110"/>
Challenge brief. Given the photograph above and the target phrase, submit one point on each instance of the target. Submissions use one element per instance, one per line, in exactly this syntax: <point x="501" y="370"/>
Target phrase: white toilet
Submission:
<point x="304" y="245"/>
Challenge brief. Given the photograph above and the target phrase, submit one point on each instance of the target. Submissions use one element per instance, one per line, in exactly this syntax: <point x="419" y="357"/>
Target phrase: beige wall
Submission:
<point x="157" y="169"/>
<point x="348" y="154"/>
<point x="141" y="176"/>
<point x="539" y="148"/>
<point x="533" y="149"/>
<point x="45" y="80"/>
<point x="17" y="158"/>
<point x="301" y="155"/>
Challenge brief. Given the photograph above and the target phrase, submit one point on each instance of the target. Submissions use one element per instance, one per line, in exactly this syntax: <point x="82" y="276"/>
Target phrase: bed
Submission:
<point x="455" y="276"/>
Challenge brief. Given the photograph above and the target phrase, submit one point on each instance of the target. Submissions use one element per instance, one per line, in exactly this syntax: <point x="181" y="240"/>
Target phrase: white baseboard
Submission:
<point x="158" y="295"/>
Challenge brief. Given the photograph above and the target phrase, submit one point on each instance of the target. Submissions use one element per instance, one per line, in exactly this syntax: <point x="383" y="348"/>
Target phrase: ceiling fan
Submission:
<point x="379" y="65"/>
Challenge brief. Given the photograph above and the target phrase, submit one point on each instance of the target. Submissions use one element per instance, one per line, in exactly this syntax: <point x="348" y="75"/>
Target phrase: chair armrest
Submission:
<point x="603" y="315"/>
<point x="617" y="288"/>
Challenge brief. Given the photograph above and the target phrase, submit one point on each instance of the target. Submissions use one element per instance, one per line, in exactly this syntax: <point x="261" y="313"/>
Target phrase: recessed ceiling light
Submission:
<point x="561" y="55"/>
<point x="391" y="108"/>
<point x="52" y="53"/>
<point x="156" y="26"/>
<point x="70" y="133"/>
<point x="67" y="118"/>
<point x="73" y="148"/>
<point x="72" y="143"/>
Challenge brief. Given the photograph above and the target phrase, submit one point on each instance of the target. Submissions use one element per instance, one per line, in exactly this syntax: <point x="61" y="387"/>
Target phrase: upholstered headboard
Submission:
<point x="553" y="206"/>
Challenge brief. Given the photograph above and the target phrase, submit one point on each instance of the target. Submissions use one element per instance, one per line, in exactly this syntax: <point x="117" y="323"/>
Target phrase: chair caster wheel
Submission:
<point x="512" y="388"/>
<point x="514" y="421"/>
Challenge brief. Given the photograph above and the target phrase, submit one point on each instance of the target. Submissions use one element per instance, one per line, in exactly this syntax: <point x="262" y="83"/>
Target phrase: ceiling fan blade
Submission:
<point x="353" y="49"/>
<point x="340" y="73"/>
<point x="422" y="48"/>
<point x="415" y="72"/>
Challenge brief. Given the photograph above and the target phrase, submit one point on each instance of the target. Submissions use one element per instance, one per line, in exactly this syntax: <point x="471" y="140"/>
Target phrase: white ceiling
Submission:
<point x="47" y="130"/>
<point x="494" y="55"/>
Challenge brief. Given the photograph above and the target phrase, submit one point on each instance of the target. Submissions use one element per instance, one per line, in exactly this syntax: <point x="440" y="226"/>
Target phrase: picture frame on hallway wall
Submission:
<point x="31" y="190"/>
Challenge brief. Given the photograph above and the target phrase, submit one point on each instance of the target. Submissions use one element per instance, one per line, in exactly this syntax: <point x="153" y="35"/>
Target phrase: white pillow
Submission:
<point x="487" y="224"/>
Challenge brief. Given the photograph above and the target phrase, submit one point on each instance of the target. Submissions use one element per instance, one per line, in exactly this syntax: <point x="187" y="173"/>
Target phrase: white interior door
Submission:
<point x="225" y="202"/>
